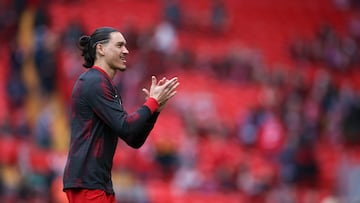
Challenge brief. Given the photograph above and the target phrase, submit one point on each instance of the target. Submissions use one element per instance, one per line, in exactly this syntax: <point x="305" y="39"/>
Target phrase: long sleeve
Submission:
<point x="132" y="128"/>
<point x="98" y="119"/>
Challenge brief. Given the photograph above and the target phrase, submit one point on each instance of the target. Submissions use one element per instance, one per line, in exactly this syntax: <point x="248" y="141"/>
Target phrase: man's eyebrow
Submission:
<point x="121" y="43"/>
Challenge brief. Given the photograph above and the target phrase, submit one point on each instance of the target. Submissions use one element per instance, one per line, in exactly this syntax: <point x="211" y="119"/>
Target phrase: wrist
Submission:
<point x="152" y="104"/>
<point x="161" y="107"/>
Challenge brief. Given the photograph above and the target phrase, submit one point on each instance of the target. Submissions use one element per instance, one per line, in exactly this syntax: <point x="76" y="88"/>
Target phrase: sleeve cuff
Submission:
<point x="152" y="104"/>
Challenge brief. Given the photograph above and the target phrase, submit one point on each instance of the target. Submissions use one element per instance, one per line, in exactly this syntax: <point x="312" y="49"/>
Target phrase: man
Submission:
<point x="98" y="117"/>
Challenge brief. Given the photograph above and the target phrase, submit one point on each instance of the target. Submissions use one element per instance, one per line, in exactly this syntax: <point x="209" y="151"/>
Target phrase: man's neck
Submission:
<point x="111" y="72"/>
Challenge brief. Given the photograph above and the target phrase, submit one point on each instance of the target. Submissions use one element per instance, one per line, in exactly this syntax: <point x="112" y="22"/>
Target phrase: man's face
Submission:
<point x="115" y="51"/>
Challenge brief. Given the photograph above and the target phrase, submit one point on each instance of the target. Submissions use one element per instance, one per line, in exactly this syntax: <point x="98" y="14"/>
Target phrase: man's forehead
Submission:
<point x="117" y="37"/>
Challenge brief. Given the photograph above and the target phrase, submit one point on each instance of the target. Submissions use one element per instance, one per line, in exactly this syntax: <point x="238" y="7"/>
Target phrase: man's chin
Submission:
<point x="122" y="68"/>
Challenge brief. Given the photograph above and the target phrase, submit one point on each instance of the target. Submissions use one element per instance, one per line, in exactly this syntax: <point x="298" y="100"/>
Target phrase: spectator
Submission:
<point x="72" y="33"/>
<point x="173" y="12"/>
<point x="219" y="16"/>
<point x="45" y="59"/>
<point x="165" y="38"/>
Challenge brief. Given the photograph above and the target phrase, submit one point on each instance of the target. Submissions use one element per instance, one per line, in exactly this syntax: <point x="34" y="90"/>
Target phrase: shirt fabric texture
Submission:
<point x="98" y="119"/>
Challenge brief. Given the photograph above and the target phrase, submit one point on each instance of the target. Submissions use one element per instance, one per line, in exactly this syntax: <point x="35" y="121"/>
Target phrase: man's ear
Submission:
<point x="100" y="49"/>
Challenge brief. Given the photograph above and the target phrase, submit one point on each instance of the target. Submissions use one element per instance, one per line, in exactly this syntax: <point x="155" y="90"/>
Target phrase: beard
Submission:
<point x="119" y="67"/>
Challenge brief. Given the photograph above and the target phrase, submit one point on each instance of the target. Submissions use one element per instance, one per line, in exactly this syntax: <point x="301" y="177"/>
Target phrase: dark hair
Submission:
<point x="87" y="44"/>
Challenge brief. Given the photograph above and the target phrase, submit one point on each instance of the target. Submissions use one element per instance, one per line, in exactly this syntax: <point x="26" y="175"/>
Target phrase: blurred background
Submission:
<point x="267" y="112"/>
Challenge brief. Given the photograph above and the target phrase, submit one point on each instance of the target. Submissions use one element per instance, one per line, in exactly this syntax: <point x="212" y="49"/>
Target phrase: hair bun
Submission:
<point x="84" y="41"/>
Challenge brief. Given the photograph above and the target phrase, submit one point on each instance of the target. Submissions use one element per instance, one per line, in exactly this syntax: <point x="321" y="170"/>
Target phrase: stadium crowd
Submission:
<point x="240" y="129"/>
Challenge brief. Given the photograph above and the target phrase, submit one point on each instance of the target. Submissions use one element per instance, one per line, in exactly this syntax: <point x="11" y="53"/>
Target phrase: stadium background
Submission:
<point x="267" y="111"/>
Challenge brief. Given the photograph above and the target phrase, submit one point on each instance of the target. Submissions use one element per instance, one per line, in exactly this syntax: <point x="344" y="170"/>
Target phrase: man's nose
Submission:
<point x="125" y="51"/>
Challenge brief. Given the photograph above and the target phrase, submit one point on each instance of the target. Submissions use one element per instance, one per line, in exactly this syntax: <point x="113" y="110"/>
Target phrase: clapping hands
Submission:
<point x="162" y="90"/>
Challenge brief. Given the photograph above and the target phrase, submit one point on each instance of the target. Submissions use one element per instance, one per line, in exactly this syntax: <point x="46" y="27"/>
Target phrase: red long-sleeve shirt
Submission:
<point x="97" y="120"/>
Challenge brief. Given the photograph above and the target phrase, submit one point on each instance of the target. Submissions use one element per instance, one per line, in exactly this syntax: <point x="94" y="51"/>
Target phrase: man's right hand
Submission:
<point x="162" y="90"/>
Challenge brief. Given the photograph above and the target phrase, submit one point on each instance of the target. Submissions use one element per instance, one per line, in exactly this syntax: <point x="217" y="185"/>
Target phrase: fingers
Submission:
<point x="176" y="85"/>
<point x="162" y="81"/>
<point x="171" y="90"/>
<point x="171" y="95"/>
<point x="171" y="83"/>
<point x="146" y="92"/>
<point x="173" y="86"/>
<point x="153" y="80"/>
<point x="172" y="80"/>
<point x="163" y="89"/>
